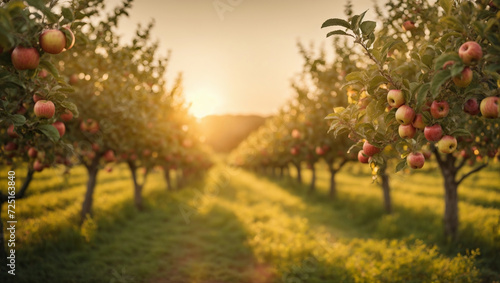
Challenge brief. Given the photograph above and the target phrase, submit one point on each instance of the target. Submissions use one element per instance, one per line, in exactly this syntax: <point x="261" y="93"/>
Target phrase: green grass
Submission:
<point x="236" y="226"/>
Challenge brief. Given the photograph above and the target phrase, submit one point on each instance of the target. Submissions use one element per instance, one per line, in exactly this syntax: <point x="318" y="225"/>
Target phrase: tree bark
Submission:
<point x="281" y="172"/>
<point x="386" y="188"/>
<point x="138" y="200"/>
<point x="333" y="184"/>
<point x="166" y="173"/>
<point x="299" y="174"/>
<point x="312" y="187"/>
<point x="92" y="170"/>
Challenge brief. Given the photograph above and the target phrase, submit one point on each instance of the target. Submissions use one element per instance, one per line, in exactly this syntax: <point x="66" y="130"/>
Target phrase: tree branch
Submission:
<point x="436" y="153"/>
<point x="472" y="172"/>
<point x="462" y="163"/>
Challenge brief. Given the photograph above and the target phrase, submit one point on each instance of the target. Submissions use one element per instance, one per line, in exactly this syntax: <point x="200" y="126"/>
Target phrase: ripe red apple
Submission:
<point x="25" y="58"/>
<point x="439" y="109"/>
<point x="319" y="150"/>
<point x="10" y="146"/>
<point x="52" y="41"/>
<point x="448" y="64"/>
<point x="408" y="25"/>
<point x="405" y="115"/>
<point x="416" y="160"/>
<point x="465" y="154"/>
<point x="67" y="115"/>
<point x="109" y="156"/>
<point x="108" y="169"/>
<point x="95" y="147"/>
<point x="73" y="79"/>
<point x="407" y="131"/>
<point x="133" y="156"/>
<point x="43" y="73"/>
<point x="419" y="123"/>
<point x="470" y="52"/>
<point x="61" y="128"/>
<point x="92" y="126"/>
<point x="146" y="152"/>
<point x="395" y="98"/>
<point x="11" y="132"/>
<point x="464" y="79"/>
<point x="44" y="109"/>
<point x="294" y="150"/>
<point x="362" y="157"/>
<point x="489" y="107"/>
<point x="447" y="144"/>
<point x="433" y="133"/>
<point x="21" y="110"/>
<point x="32" y="152"/>
<point x="370" y="149"/>
<point x="296" y="134"/>
<point x="70" y="38"/>
<point x="427" y="154"/>
<point x="38" y="166"/>
<point x="37" y="97"/>
<point x="471" y="106"/>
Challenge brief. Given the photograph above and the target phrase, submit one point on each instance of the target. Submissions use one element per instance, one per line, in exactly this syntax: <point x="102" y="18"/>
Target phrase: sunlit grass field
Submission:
<point x="237" y="226"/>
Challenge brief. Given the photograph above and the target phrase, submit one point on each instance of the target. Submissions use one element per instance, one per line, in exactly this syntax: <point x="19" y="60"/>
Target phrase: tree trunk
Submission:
<point x="299" y="175"/>
<point x="312" y="187"/>
<point x="137" y="187"/>
<point x="451" y="206"/>
<point x="166" y="173"/>
<point x="387" y="191"/>
<point x="281" y="172"/>
<point x="333" y="184"/>
<point x="179" y="179"/>
<point x="92" y="170"/>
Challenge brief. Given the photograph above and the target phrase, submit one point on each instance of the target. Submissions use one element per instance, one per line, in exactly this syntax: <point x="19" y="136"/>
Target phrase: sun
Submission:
<point x="204" y="102"/>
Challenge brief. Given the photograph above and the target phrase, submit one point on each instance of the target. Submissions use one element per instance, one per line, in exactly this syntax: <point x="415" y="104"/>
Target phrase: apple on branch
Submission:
<point x="416" y="160"/>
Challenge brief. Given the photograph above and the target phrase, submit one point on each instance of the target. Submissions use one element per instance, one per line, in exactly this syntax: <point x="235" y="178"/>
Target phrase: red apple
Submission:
<point x="433" y="133"/>
<point x="427" y="154"/>
<point x="108" y="169"/>
<point x="448" y="64"/>
<point x="319" y="150"/>
<point x="471" y="106"/>
<point x="405" y="115"/>
<point x="294" y="150"/>
<point x="95" y="147"/>
<point x="370" y="149"/>
<point x="395" y="98"/>
<point x="21" y="110"/>
<point x="52" y="41"/>
<point x="464" y="79"/>
<point x="67" y="115"/>
<point x="489" y="107"/>
<point x="362" y="157"/>
<point x="447" y="144"/>
<point x="146" y="152"/>
<point x="44" y="109"/>
<point x="407" y="131"/>
<point x="43" y="73"/>
<point x="439" y="109"/>
<point x="61" y="128"/>
<point x="470" y="52"/>
<point x="73" y="79"/>
<point x="10" y="146"/>
<point x="38" y="166"/>
<point x="25" y="58"/>
<point x="11" y="132"/>
<point x="416" y="160"/>
<point x="37" y="97"/>
<point x="419" y="123"/>
<point x="109" y="156"/>
<point x="296" y="134"/>
<point x="408" y="25"/>
<point x="70" y="38"/>
<point x="32" y="152"/>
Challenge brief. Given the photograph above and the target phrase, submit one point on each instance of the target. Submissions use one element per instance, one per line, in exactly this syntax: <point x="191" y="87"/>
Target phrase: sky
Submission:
<point x="236" y="56"/>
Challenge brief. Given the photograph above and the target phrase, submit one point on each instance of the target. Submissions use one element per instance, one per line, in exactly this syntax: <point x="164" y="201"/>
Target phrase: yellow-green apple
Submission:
<point x="61" y="128"/>
<point x="433" y="133"/>
<point x="405" y="115"/>
<point x="362" y="157"/>
<point x="11" y="132"/>
<point x="52" y="41"/>
<point x="408" y="25"/>
<point x="370" y="149"/>
<point x="395" y="98"/>
<point x="471" y="106"/>
<point x="415" y="160"/>
<point x="489" y="107"/>
<point x="419" y="123"/>
<point x="439" y="109"/>
<point x="25" y="58"/>
<point x="447" y="144"/>
<point x="464" y="79"/>
<point x="470" y="52"/>
<point x="407" y="131"/>
<point x="44" y="109"/>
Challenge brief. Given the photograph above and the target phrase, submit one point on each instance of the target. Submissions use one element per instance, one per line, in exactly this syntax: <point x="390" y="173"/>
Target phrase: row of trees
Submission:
<point x="97" y="103"/>
<point x="425" y="83"/>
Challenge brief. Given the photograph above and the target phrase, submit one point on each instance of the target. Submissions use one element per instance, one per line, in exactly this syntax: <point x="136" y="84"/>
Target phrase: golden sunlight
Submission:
<point x="204" y="102"/>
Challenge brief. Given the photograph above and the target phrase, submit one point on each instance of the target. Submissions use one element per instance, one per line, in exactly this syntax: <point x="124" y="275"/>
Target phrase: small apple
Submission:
<point x="405" y="115"/>
<point x="448" y="64"/>
<point x="10" y="146"/>
<point x="70" y="38"/>
<point x="73" y="79"/>
<point x="32" y="152"/>
<point x="471" y="106"/>
<point x="433" y="133"/>
<point x="44" y="109"/>
<point x="419" y="123"/>
<point x="427" y="154"/>
<point x="43" y="73"/>
<point x="95" y="147"/>
<point x="464" y="79"/>
<point x="25" y="58"/>
<point x="37" y="98"/>
<point x="146" y="152"/>
<point x="395" y="98"/>
<point x="296" y="134"/>
<point x="11" y="132"/>
<point x="108" y="169"/>
<point x="92" y="126"/>
<point x="416" y="160"/>
<point x="370" y="149"/>
<point x="21" y="110"/>
<point x="470" y="52"/>
<point x="66" y="116"/>
<point x="38" y="166"/>
<point x="439" y="109"/>
<point x="294" y="150"/>
<point x="407" y="131"/>
<point x="52" y="41"/>
<point x="362" y="157"/>
<point x="109" y="156"/>
<point x="465" y="154"/>
<point x="489" y="107"/>
<point x="319" y="150"/>
<point x="61" y="128"/>
<point x="447" y="144"/>
<point x="408" y="25"/>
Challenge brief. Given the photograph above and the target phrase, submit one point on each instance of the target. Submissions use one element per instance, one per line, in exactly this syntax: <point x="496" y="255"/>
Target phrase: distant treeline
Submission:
<point x="223" y="133"/>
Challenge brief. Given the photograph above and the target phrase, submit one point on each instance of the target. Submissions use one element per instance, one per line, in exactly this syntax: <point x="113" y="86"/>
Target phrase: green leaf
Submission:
<point x="460" y="132"/>
<point x="47" y="65"/>
<point x="443" y="58"/>
<point x="453" y="22"/>
<point x="422" y="94"/>
<point x="40" y="5"/>
<point x="17" y="120"/>
<point x="368" y="27"/>
<point x="446" y="5"/>
<point x="336" y="22"/>
<point x="67" y="13"/>
<point x="71" y="107"/>
<point x="50" y="131"/>
<point x="439" y="79"/>
<point x="355" y="76"/>
<point x="401" y="165"/>
<point x="337" y="32"/>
